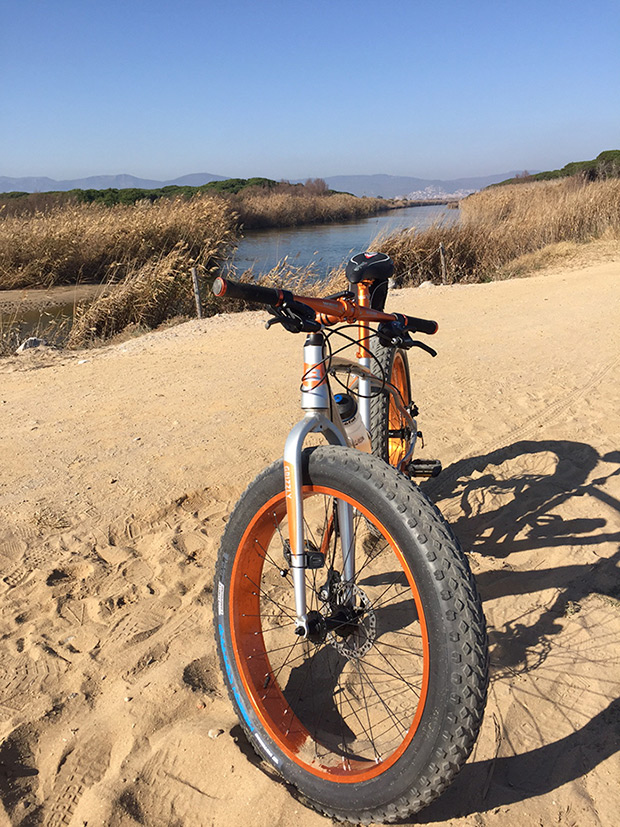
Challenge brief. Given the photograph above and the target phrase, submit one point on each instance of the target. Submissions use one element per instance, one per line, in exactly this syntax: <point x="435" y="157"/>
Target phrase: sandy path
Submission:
<point x="119" y="467"/>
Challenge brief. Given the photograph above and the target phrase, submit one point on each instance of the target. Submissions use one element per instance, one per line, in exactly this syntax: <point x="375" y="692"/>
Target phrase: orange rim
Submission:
<point x="397" y="448"/>
<point x="347" y="707"/>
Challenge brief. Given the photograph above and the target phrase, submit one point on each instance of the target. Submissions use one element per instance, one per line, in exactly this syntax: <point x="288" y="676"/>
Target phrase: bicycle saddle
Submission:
<point x="369" y="267"/>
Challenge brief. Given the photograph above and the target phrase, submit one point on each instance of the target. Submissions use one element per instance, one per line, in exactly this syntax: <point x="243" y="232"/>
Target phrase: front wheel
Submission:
<point x="371" y="718"/>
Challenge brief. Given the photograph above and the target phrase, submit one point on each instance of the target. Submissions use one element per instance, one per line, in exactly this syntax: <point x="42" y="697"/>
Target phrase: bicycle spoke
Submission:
<point x="270" y="599"/>
<point x="381" y="700"/>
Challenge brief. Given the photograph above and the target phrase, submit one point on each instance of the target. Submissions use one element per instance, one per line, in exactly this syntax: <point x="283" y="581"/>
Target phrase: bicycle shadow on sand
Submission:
<point x="529" y="774"/>
<point x="514" y="509"/>
<point x="505" y="499"/>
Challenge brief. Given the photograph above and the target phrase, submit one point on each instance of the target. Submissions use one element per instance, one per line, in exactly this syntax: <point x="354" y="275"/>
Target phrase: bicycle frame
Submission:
<point x="321" y="415"/>
<point x="321" y="412"/>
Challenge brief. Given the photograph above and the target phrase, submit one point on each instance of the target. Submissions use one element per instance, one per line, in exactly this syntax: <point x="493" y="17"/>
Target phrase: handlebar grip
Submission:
<point x="247" y="292"/>
<point x="414" y="325"/>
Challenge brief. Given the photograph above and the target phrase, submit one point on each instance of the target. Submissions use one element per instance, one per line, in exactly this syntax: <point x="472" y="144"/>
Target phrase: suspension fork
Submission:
<point x="316" y="402"/>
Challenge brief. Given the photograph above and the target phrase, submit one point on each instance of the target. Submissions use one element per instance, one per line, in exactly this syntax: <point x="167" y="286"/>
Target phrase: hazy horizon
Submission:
<point x="299" y="178"/>
<point x="435" y="91"/>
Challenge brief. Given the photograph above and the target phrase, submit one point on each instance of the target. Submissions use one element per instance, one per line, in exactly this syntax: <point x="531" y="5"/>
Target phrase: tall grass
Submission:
<point x="160" y="289"/>
<point x="288" y="206"/>
<point x="501" y="224"/>
<point x="148" y="249"/>
<point x="93" y="243"/>
<point x="153" y="246"/>
<point x="71" y="243"/>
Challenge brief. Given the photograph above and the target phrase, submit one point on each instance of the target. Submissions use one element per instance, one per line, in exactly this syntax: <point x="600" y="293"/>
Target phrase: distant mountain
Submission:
<point x="394" y="186"/>
<point x="386" y="186"/>
<point x="27" y="184"/>
<point x="102" y="182"/>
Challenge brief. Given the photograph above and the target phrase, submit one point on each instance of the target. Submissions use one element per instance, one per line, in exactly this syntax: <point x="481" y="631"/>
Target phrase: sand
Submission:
<point x="120" y="466"/>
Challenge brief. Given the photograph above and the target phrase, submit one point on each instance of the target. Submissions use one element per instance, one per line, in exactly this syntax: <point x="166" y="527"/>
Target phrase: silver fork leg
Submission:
<point x="293" y="482"/>
<point x="347" y="542"/>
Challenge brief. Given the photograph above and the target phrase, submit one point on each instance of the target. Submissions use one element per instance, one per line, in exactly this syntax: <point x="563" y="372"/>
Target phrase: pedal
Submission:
<point x="424" y="468"/>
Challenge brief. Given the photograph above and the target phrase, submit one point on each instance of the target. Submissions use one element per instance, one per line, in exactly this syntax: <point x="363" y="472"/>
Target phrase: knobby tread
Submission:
<point x="381" y="366"/>
<point x="463" y="621"/>
<point x="458" y="742"/>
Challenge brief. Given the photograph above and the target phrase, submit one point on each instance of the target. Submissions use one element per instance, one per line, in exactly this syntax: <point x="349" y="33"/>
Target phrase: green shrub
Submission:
<point x="605" y="165"/>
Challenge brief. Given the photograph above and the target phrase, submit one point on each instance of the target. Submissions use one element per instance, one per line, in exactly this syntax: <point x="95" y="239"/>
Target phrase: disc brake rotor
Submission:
<point x="361" y="639"/>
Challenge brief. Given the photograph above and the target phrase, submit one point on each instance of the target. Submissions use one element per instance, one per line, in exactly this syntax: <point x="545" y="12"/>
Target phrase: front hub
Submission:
<point x="347" y="622"/>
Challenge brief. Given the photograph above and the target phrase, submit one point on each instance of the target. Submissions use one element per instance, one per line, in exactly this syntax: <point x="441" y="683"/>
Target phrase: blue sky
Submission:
<point x="435" y="89"/>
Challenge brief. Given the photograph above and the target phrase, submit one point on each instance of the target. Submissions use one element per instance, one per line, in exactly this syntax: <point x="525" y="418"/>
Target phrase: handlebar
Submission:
<point x="248" y="292"/>
<point x="414" y="325"/>
<point x="327" y="311"/>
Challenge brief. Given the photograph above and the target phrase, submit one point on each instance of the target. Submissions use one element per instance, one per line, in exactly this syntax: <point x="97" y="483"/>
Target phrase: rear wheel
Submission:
<point x="389" y="440"/>
<point x="372" y="716"/>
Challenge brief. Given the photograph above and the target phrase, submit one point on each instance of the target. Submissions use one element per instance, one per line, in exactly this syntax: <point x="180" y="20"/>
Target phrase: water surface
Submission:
<point x="330" y="245"/>
<point x="324" y="246"/>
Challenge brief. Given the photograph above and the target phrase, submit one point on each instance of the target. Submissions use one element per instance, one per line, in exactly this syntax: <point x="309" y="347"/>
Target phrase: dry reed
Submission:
<point x="301" y="280"/>
<point x="75" y="243"/>
<point x="501" y="224"/>
<point x="89" y="242"/>
<point x="146" y="297"/>
<point x="259" y="208"/>
<point x="154" y="246"/>
<point x="147" y="250"/>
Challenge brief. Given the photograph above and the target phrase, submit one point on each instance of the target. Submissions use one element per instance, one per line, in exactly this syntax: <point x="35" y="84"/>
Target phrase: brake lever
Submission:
<point x="292" y="321"/>
<point x="406" y="342"/>
<point x="423" y="345"/>
<point x="270" y="322"/>
<point x="397" y="337"/>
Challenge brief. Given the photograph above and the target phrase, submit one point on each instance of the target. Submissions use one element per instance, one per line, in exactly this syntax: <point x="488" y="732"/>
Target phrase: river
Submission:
<point x="325" y="246"/>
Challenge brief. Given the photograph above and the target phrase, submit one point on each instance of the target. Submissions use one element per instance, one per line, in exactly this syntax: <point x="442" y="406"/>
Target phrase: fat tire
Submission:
<point x="457" y="686"/>
<point x="382" y="365"/>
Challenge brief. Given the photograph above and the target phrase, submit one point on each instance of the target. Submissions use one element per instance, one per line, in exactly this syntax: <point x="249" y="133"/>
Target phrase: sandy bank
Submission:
<point x="18" y="301"/>
<point x="120" y="465"/>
